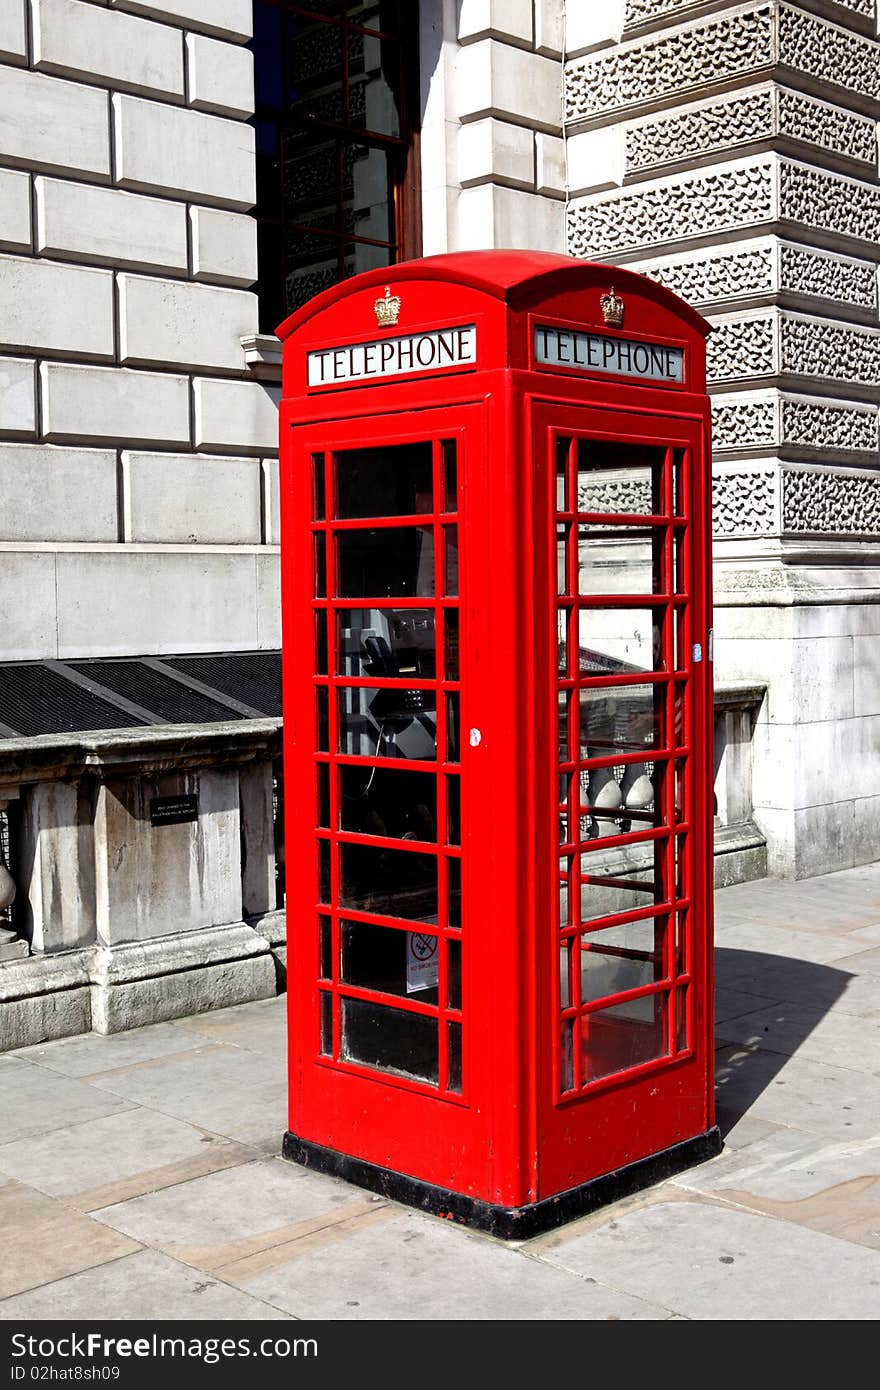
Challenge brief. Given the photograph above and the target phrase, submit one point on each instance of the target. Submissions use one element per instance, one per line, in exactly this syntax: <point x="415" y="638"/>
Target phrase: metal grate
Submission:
<point x="162" y="695"/>
<point x="36" y="700"/>
<point x="254" y="678"/>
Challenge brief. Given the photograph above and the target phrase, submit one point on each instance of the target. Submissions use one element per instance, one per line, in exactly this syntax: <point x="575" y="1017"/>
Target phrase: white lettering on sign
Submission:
<point x="596" y="352"/>
<point x="440" y="350"/>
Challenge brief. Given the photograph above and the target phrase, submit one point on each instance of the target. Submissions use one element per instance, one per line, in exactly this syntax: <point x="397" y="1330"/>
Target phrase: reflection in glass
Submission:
<point x="326" y="1011"/>
<point x="567" y="1054"/>
<point x="605" y="893"/>
<point x="392" y="722"/>
<point x="453" y="1034"/>
<point x="384" y="801"/>
<point x="562" y="624"/>
<point x="372" y="102"/>
<point x="391" y="882"/>
<point x="628" y="717"/>
<point x="367" y="192"/>
<point x="620" y="641"/>
<point x="623" y="1036"/>
<point x="395" y="561"/>
<point x="623" y="561"/>
<point x="563" y="534"/>
<point x="386" y="643"/>
<point x="565" y="975"/>
<point x="563" y="447"/>
<point x="395" y="480"/>
<point x="619" y="478"/>
<point x="377" y="1035"/>
<point x="621" y="958"/>
<point x="681" y="1021"/>
<point x="389" y="961"/>
<point x="321" y="641"/>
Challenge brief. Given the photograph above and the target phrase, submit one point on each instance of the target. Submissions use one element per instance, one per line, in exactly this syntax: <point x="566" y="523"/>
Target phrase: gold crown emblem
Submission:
<point x="612" y="309"/>
<point x="387" y="308"/>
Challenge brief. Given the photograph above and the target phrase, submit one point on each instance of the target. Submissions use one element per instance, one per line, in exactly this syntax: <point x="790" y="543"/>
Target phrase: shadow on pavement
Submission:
<point x="793" y="994"/>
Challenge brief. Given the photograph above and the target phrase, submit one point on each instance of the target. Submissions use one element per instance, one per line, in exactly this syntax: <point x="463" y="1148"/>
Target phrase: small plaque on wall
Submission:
<point x="174" y="810"/>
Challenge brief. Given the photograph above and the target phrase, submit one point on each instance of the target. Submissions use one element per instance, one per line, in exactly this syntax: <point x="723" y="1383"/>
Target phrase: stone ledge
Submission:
<point x="262" y="356"/>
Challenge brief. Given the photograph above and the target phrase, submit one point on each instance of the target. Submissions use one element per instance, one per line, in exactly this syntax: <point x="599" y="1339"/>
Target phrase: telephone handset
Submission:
<point x="399" y="703"/>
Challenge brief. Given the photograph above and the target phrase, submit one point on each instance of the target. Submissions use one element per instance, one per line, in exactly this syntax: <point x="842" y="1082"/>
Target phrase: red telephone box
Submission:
<point x="495" y="496"/>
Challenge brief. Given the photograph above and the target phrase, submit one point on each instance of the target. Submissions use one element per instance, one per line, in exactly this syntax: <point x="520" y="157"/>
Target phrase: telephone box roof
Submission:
<point x="517" y="277"/>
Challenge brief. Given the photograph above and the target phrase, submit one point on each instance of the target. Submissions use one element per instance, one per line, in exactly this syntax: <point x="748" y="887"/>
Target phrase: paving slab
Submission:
<point x="144" y="1285"/>
<point x="829" y="987"/>
<point x="42" y="1240"/>
<point x="259" y="1027"/>
<point x="226" y="1090"/>
<point x="783" y="941"/>
<point x="228" y="1217"/>
<point x="827" y="1186"/>
<point x="398" y="1265"/>
<point x="798" y="1093"/>
<point x="732" y="1003"/>
<point x="94" y="1053"/>
<point x="35" y="1100"/>
<point x="117" y="1157"/>
<point x="708" y="1261"/>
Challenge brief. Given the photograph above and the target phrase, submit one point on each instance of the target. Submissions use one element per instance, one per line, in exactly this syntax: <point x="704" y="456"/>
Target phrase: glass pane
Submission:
<point x="604" y="893"/>
<point x="384" y="801"/>
<point x="453" y="793"/>
<point x="566" y="866"/>
<point x="562" y="453"/>
<point x="453" y="1035"/>
<point x="450" y="534"/>
<point x="565" y="821"/>
<point x="562" y="627"/>
<point x="567" y="1051"/>
<point x="620" y="641"/>
<point x="681" y="481"/>
<point x="372" y="103"/>
<point x="565" y="975"/>
<point x="621" y="958"/>
<point x="318" y="486"/>
<point x="396" y="480"/>
<point x="389" y="961"/>
<point x="362" y="255"/>
<point x="320" y="565"/>
<point x="387" y="643"/>
<point x="391" y="882"/>
<point x="389" y="723"/>
<point x="682" y="949"/>
<point x="626" y="1035"/>
<point x="326" y="1012"/>
<point x="628" y="717"/>
<point x="452" y="727"/>
<point x="453" y="974"/>
<point x="625" y="561"/>
<point x="680" y="547"/>
<point x="618" y="477"/>
<point x="314" y="54"/>
<point x="323" y="796"/>
<point x="681" y="1023"/>
<point x="450" y="628"/>
<point x="321" y="699"/>
<point x="453" y="905"/>
<point x="321" y="642"/>
<point x="565" y="698"/>
<point x="620" y="800"/>
<point x="367" y="190"/>
<point x="450" y="476"/>
<point x="395" y="562"/>
<point x="379" y="1036"/>
<point x="563" y="533"/>
<point x="323" y="871"/>
<point x="326" y="948"/>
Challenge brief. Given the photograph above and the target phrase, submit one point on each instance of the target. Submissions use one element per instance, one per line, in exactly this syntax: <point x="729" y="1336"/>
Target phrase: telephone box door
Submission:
<point x="623" y="966"/>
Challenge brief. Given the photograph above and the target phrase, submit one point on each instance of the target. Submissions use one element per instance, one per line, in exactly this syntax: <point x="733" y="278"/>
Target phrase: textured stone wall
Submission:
<point x="730" y="152"/>
<point x="137" y="454"/>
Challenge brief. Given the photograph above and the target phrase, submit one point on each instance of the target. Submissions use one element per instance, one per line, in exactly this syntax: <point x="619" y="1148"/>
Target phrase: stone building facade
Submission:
<point x="727" y="149"/>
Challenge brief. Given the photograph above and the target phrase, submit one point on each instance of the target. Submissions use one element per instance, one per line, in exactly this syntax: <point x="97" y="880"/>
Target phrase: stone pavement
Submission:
<point x="139" y="1175"/>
